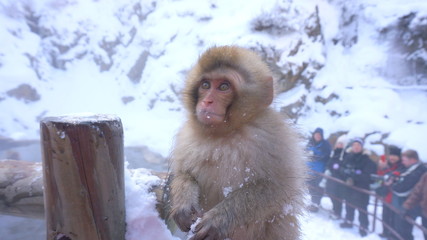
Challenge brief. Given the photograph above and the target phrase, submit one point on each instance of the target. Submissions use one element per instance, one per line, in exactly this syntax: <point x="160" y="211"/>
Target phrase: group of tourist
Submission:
<point x="399" y="178"/>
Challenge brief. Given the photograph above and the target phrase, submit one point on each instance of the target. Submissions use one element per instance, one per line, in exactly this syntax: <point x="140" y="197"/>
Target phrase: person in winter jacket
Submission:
<point x="335" y="189"/>
<point x="387" y="167"/>
<point x="321" y="150"/>
<point x="357" y="170"/>
<point x="418" y="197"/>
<point x="402" y="188"/>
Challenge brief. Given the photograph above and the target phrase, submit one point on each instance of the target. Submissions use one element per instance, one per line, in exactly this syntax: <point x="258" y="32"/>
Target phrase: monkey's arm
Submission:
<point x="185" y="201"/>
<point x="251" y="203"/>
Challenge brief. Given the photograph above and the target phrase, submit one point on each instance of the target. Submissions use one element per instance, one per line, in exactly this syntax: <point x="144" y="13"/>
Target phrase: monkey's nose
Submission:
<point x="207" y="102"/>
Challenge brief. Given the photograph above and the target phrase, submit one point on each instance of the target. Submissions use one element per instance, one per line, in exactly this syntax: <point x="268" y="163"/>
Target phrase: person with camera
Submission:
<point x="321" y="150"/>
<point x="418" y="197"/>
<point x="388" y="166"/>
<point x="357" y="170"/>
<point x="402" y="187"/>
<point x="334" y="189"/>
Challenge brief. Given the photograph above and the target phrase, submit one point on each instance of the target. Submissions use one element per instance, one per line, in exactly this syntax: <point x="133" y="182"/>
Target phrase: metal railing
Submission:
<point x="377" y="199"/>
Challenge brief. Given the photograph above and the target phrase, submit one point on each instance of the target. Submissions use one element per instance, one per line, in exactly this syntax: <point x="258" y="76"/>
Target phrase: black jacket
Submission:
<point x="334" y="166"/>
<point x="335" y="163"/>
<point x="409" y="177"/>
<point x="359" y="167"/>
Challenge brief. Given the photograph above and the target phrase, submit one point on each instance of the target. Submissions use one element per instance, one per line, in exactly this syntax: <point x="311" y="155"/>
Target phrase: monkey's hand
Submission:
<point x="184" y="218"/>
<point x="211" y="227"/>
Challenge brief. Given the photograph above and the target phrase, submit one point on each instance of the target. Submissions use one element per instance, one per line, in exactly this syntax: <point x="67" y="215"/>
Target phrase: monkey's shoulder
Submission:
<point x="266" y="139"/>
<point x="273" y="126"/>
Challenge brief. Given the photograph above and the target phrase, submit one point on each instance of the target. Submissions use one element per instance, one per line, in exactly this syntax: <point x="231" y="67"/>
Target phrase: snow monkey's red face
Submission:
<point x="216" y="92"/>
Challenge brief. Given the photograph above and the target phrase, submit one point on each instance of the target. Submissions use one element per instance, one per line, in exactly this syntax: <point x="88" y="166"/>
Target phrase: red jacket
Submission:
<point x="385" y="171"/>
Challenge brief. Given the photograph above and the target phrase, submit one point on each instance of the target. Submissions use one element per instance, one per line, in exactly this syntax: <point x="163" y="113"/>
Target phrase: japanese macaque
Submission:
<point x="235" y="165"/>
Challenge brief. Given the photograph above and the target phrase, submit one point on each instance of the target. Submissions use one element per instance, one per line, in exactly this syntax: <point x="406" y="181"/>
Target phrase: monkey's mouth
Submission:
<point x="208" y="117"/>
<point x="208" y="113"/>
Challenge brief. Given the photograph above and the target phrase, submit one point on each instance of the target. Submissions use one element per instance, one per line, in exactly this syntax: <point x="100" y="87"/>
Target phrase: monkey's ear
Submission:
<point x="269" y="90"/>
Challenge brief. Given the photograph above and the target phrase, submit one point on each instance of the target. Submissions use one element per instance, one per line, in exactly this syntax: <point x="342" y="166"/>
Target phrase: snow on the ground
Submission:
<point x="317" y="226"/>
<point x="321" y="226"/>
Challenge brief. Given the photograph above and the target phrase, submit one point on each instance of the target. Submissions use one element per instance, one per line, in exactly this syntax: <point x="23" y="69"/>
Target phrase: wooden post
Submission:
<point x="83" y="169"/>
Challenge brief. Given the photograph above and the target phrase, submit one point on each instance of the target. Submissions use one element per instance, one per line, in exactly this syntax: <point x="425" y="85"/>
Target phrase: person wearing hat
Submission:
<point x="388" y="166"/>
<point x="333" y="189"/>
<point x="357" y="170"/>
<point x="321" y="150"/>
<point x="402" y="188"/>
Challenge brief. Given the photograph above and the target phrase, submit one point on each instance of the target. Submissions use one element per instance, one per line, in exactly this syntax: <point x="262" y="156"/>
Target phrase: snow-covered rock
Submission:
<point x="348" y="66"/>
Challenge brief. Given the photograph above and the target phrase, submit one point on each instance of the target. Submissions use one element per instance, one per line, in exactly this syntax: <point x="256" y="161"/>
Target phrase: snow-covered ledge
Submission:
<point x="21" y="194"/>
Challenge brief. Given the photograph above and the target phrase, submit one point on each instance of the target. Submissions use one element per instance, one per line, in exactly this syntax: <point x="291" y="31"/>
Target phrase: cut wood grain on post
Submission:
<point x="83" y="166"/>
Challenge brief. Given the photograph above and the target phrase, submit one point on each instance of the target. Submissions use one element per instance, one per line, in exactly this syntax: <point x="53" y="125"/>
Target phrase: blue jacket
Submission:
<point x="321" y="152"/>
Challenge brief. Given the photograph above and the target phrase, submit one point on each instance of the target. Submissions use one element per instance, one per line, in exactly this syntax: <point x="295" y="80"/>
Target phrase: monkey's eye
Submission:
<point x="224" y="87"/>
<point x="205" y="85"/>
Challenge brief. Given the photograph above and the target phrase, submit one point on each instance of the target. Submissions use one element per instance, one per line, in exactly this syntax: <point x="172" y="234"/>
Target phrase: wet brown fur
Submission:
<point x="248" y="180"/>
